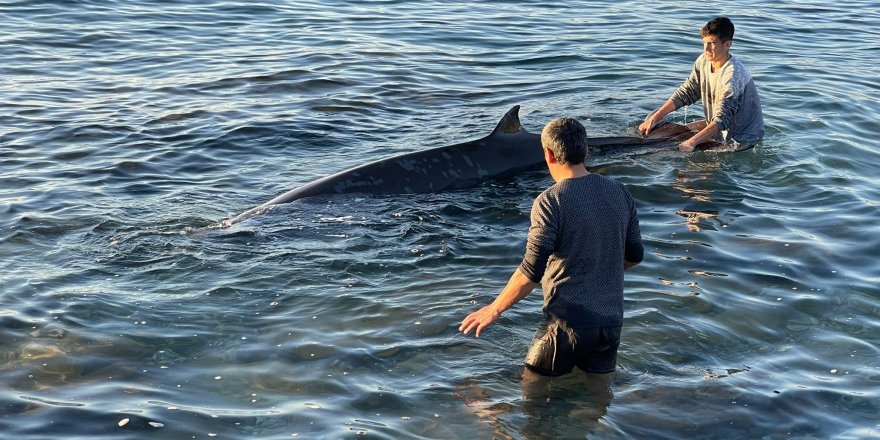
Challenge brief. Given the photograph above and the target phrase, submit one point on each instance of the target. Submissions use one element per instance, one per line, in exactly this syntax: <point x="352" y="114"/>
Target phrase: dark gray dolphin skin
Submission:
<point x="509" y="148"/>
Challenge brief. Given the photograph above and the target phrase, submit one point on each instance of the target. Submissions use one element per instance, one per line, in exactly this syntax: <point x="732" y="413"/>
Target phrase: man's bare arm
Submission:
<point x="517" y="288"/>
<point x="704" y="135"/>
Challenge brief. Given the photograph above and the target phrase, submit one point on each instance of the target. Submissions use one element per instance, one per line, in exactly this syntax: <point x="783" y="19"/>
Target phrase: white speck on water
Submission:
<point x="123" y="422"/>
<point x="157" y="425"/>
<point x="834" y="371"/>
<point x="436" y="415"/>
<point x="405" y="418"/>
<point x="418" y="322"/>
<point x="778" y="299"/>
<point x="218" y="377"/>
<point x="211" y="434"/>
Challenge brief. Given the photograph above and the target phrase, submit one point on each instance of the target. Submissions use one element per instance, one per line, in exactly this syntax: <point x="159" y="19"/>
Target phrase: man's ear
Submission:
<point x="551" y="158"/>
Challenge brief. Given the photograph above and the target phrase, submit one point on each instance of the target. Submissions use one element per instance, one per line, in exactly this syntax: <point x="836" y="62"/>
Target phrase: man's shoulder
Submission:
<point x="737" y="73"/>
<point x="549" y="193"/>
<point x="589" y="185"/>
<point x="601" y="180"/>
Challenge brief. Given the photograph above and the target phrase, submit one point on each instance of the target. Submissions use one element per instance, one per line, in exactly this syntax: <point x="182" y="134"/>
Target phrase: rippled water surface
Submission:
<point x="129" y="129"/>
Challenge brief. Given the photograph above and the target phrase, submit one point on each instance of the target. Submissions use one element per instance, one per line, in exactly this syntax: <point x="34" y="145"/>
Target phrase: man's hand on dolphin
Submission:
<point x="686" y="146"/>
<point x="647" y="125"/>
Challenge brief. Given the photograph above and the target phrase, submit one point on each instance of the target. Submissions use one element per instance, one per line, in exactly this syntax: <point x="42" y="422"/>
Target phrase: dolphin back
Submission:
<point x="509" y="148"/>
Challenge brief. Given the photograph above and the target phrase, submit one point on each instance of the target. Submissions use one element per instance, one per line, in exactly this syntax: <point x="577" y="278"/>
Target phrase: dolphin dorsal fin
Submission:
<point x="510" y="122"/>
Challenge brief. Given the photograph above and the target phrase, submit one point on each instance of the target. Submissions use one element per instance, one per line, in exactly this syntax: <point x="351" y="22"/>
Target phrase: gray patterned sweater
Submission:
<point x="581" y="231"/>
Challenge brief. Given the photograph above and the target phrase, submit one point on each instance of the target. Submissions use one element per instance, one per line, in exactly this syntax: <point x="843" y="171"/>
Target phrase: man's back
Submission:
<point x="580" y="231"/>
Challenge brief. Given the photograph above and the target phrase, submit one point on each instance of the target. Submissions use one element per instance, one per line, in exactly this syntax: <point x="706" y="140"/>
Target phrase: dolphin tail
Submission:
<point x="510" y="122"/>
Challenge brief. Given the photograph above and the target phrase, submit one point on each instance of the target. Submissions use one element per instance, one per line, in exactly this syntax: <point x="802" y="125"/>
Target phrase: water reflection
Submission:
<point x="690" y="184"/>
<point x="570" y="406"/>
<point x="684" y="182"/>
<point x="694" y="218"/>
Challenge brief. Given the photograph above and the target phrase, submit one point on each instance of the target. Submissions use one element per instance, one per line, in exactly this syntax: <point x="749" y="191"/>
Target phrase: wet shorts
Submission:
<point x="556" y="349"/>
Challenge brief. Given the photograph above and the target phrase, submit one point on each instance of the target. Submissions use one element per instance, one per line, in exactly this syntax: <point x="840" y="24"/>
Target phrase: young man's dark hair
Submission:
<point x="720" y="27"/>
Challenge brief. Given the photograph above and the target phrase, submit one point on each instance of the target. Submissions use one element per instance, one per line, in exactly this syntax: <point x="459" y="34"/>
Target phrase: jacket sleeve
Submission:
<point x="689" y="92"/>
<point x="633" y="252"/>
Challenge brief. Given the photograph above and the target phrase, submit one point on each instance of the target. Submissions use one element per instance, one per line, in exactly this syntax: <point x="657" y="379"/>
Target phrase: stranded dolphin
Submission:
<point x="507" y="149"/>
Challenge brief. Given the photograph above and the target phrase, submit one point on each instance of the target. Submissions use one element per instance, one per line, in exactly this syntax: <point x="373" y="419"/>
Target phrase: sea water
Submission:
<point x="130" y="129"/>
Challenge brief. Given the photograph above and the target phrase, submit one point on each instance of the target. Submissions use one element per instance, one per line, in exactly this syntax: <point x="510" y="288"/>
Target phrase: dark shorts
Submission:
<point x="556" y="349"/>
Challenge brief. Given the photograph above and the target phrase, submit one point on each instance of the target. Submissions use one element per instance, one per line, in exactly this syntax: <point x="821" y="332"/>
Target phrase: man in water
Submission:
<point x="584" y="233"/>
<point x="731" y="105"/>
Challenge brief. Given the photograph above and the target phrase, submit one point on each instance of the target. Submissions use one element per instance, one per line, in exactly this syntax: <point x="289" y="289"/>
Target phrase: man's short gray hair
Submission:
<point x="566" y="138"/>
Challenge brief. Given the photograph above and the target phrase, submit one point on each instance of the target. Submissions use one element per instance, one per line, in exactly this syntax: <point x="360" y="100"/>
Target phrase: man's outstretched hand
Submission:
<point x="479" y="320"/>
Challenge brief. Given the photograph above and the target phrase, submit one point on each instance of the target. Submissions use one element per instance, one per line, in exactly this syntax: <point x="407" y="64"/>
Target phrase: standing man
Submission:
<point x="584" y="233"/>
<point x="730" y="100"/>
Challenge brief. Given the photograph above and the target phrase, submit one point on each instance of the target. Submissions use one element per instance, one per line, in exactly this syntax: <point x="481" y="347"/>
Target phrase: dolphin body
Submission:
<point x="509" y="148"/>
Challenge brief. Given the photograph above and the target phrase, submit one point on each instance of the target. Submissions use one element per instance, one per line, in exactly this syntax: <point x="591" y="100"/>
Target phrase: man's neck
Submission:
<point x="561" y="172"/>
<point x="717" y="65"/>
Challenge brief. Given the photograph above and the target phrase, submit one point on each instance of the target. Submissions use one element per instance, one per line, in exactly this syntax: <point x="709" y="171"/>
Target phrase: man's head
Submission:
<point x="566" y="140"/>
<point x="720" y="27"/>
<point x="717" y="38"/>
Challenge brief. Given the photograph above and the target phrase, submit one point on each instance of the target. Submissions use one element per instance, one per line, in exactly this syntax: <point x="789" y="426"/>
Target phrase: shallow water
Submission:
<point x="130" y="128"/>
